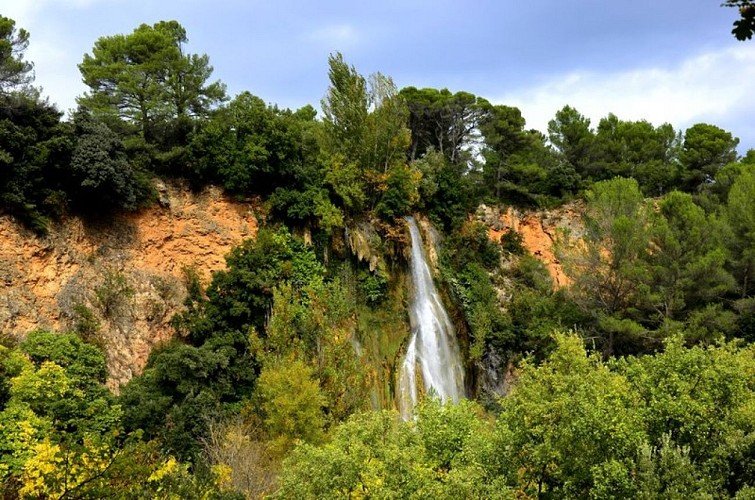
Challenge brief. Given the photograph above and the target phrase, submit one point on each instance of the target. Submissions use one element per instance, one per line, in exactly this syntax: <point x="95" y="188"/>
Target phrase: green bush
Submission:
<point x="373" y="286"/>
<point x="511" y="242"/>
<point x="113" y="295"/>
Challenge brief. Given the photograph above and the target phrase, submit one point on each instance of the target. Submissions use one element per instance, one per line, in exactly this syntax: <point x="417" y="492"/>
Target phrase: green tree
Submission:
<point x="291" y="404"/>
<point x="716" y="193"/>
<point x="688" y="257"/>
<point x="61" y="434"/>
<point x="345" y="109"/>
<point x="638" y="150"/>
<point x="183" y="384"/>
<point x="57" y="400"/>
<point x="15" y="72"/>
<point x="252" y="148"/>
<point x="35" y="149"/>
<point x="740" y="212"/>
<point x="366" y="136"/>
<point x="240" y="298"/>
<point x="536" y="310"/>
<point x="468" y="258"/>
<point x="389" y="136"/>
<point x="705" y="151"/>
<point x="608" y="266"/>
<point x="446" y="455"/>
<point x="401" y="193"/>
<point x="315" y="324"/>
<point x="442" y="121"/>
<point x="183" y="387"/>
<point x="105" y="177"/>
<point x="570" y="133"/>
<point x="700" y="399"/>
<point x="145" y="79"/>
<point x="503" y="129"/>
<point x="567" y="420"/>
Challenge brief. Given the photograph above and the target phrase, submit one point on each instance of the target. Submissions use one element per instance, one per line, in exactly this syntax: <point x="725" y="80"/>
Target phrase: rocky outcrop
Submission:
<point x="120" y="280"/>
<point x="364" y="242"/>
<point x="538" y="231"/>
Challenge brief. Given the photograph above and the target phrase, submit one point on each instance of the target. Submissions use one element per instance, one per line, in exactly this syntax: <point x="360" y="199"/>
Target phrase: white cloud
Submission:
<point x="57" y="73"/>
<point x="24" y="11"/>
<point x="338" y="35"/>
<point x="716" y="87"/>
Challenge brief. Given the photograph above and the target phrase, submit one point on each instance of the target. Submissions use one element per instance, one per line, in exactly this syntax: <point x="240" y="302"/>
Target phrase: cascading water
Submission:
<point x="432" y="346"/>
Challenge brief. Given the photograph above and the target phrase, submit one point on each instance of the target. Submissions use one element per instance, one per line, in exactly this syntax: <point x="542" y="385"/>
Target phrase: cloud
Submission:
<point x="336" y="35"/>
<point x="24" y="11"/>
<point x="57" y="73"/>
<point x="716" y="87"/>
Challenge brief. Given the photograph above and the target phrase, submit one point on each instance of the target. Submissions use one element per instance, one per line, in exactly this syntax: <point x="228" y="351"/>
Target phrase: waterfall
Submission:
<point x="432" y="347"/>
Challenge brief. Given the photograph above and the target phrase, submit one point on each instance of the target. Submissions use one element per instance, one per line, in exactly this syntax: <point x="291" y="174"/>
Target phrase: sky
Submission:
<point x="672" y="61"/>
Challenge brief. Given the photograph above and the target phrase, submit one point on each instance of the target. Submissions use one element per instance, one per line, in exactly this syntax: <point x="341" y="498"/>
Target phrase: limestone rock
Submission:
<point x="127" y="272"/>
<point x="539" y="231"/>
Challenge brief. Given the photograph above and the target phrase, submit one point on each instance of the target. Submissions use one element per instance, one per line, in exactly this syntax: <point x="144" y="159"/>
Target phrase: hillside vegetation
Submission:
<point x="630" y="377"/>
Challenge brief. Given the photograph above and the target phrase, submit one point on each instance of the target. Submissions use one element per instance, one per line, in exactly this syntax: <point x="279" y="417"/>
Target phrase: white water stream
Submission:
<point x="432" y="347"/>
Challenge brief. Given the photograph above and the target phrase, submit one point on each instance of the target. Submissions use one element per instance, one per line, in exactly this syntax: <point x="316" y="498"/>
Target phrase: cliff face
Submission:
<point x="124" y="276"/>
<point x="538" y="231"/>
<point x="121" y="280"/>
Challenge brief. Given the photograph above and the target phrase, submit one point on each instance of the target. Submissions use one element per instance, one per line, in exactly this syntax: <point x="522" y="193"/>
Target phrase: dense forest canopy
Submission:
<point x="635" y="381"/>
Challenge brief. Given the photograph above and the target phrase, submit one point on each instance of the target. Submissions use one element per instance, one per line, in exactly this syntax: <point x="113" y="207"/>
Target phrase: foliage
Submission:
<point x="59" y="430"/>
<point x="443" y="122"/>
<point x="607" y="265"/>
<point x="315" y="325"/>
<point x="503" y="129"/>
<point x="143" y="83"/>
<point x="366" y="137"/>
<point x="573" y="427"/>
<point x="251" y="148"/>
<point x="291" y="404"/>
<point x="101" y="169"/>
<point x="447" y="191"/>
<point x="181" y="388"/>
<point x="511" y="242"/>
<point x="377" y="455"/>
<point x="15" y="72"/>
<point x="638" y="150"/>
<point x="400" y="194"/>
<point x="373" y="286"/>
<point x="270" y="308"/>
<point x="113" y="294"/>
<point x="239" y="298"/>
<point x="241" y="460"/>
<point x="86" y="324"/>
<point x="739" y="211"/>
<point x="534" y="311"/>
<point x="279" y="354"/>
<point x="61" y="380"/>
<point x="705" y="151"/>
<point x="467" y="259"/>
<point x="744" y="27"/>
<point x="571" y="135"/>
<point x="567" y="418"/>
<point x="34" y="152"/>
<point x="689" y="257"/>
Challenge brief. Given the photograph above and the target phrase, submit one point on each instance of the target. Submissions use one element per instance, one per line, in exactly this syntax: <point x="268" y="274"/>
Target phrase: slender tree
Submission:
<point x="15" y="72"/>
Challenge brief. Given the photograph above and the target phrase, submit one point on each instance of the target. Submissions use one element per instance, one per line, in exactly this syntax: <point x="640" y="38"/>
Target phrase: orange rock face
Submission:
<point x="538" y="231"/>
<point x="127" y="272"/>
